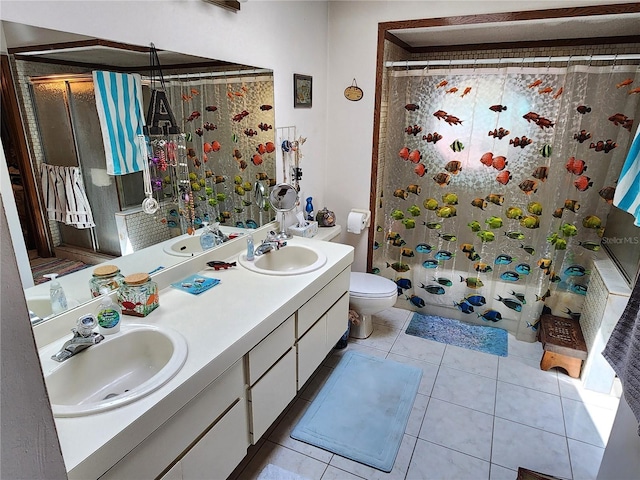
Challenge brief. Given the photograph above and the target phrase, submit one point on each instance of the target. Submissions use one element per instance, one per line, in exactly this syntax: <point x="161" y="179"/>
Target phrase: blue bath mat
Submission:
<point x="362" y="410"/>
<point x="454" y="332"/>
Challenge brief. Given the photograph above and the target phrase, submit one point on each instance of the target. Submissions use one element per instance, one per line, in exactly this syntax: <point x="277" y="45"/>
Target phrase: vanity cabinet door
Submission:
<point x="272" y="393"/>
<point x="221" y="449"/>
<point x="311" y="311"/>
<point x="337" y="321"/>
<point x="312" y="348"/>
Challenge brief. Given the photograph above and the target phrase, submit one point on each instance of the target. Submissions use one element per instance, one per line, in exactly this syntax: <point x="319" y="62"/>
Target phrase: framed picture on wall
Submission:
<point x="302" y="90"/>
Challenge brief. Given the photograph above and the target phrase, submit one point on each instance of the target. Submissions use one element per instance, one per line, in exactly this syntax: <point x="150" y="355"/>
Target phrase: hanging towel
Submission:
<point x="623" y="351"/>
<point x="119" y="103"/>
<point x="627" y="196"/>
<point x="64" y="196"/>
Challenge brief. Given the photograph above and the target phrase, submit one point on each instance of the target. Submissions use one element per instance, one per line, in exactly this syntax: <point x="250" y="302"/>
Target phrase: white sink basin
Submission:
<point x="184" y="247"/>
<point x="41" y="305"/>
<point x="121" y="369"/>
<point x="289" y="260"/>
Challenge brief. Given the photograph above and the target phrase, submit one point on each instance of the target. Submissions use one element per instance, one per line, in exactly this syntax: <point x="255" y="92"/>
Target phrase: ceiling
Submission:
<point x="61" y="47"/>
<point x="522" y="31"/>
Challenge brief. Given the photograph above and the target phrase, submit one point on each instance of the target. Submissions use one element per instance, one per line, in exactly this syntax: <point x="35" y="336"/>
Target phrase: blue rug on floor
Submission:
<point x="454" y="332"/>
<point x="362" y="410"/>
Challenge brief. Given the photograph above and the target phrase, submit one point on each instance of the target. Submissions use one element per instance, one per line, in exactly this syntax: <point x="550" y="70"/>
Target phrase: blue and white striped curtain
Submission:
<point x="120" y="109"/>
<point x="627" y="196"/>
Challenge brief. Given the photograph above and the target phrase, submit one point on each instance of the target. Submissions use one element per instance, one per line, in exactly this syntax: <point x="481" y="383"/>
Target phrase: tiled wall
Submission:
<point x="137" y="230"/>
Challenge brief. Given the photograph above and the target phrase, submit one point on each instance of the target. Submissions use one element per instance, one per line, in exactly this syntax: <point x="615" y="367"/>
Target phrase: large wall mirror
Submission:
<point x="224" y="115"/>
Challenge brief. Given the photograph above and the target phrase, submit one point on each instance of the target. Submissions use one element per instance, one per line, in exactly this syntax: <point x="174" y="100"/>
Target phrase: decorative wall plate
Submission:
<point x="353" y="92"/>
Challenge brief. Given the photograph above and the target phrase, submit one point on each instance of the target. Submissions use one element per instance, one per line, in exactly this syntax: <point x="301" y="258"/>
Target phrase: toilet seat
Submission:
<point x="368" y="285"/>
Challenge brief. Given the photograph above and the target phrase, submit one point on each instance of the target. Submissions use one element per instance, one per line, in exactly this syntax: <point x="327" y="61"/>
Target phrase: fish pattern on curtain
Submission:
<point x="228" y="122"/>
<point x="496" y="187"/>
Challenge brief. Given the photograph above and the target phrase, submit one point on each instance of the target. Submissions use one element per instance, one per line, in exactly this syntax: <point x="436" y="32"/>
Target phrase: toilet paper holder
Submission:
<point x="367" y="216"/>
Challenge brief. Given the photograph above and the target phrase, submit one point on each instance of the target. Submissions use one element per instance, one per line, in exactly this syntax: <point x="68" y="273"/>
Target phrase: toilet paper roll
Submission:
<point x="355" y="222"/>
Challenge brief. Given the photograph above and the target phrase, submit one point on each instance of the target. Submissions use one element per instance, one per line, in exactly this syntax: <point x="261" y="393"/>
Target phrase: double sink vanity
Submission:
<point x="183" y="392"/>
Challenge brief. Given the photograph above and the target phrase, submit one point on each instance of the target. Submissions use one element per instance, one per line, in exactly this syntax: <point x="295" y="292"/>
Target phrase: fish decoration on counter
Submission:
<point x="220" y="265"/>
<point x="498" y="133"/>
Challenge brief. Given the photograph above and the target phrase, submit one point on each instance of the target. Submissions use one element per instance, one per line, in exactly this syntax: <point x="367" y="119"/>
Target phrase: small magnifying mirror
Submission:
<point x="283" y="198"/>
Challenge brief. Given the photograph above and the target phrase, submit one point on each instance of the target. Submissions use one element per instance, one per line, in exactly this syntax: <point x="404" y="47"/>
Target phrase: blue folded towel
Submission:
<point x="120" y="110"/>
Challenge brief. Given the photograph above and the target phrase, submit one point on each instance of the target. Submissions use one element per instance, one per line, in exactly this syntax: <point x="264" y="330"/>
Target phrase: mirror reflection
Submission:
<point x="214" y="167"/>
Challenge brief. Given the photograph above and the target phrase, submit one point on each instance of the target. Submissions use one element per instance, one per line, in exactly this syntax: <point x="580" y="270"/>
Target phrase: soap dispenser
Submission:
<point x="207" y="237"/>
<point x="108" y="314"/>
<point x="56" y="294"/>
<point x="250" y="248"/>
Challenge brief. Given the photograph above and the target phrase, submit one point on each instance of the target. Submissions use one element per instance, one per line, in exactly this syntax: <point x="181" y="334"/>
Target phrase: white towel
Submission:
<point x="64" y="196"/>
<point x="627" y="196"/>
<point x="120" y="109"/>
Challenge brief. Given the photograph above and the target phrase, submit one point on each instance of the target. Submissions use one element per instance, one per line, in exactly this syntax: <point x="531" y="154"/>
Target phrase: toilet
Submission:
<point x="369" y="294"/>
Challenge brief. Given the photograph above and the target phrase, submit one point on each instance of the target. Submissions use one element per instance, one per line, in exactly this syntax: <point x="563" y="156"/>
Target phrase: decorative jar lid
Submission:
<point x="105" y="270"/>
<point x="136" y="278"/>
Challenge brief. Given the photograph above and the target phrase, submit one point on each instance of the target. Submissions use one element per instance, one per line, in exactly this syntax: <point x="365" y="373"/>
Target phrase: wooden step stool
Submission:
<point x="563" y="344"/>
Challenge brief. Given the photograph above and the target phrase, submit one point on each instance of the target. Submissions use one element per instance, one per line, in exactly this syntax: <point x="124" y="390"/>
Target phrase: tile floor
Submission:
<point x="476" y="416"/>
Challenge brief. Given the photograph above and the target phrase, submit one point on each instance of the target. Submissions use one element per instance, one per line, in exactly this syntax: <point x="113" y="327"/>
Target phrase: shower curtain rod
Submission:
<point x="83" y="77"/>
<point x="494" y="61"/>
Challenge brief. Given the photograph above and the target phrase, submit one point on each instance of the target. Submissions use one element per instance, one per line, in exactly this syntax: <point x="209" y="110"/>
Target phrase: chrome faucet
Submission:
<point x="271" y="242"/>
<point x="83" y="338"/>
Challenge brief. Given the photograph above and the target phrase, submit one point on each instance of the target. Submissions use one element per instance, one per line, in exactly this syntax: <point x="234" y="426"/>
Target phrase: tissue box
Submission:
<point x="307" y="232"/>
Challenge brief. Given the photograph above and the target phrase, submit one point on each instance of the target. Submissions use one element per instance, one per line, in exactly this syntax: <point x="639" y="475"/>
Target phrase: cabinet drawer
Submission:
<point x="312" y="348"/>
<point x="337" y="321"/>
<point x="220" y="449"/>
<point x="160" y="449"/>
<point x="272" y="393"/>
<point x="274" y="345"/>
<point x="320" y="303"/>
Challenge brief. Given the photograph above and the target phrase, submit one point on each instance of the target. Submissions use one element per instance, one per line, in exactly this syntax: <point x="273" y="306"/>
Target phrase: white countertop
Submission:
<point x="220" y="326"/>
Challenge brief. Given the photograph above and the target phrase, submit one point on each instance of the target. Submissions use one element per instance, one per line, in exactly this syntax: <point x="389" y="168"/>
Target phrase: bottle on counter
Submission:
<point x="56" y="294"/>
<point x="108" y="314"/>
<point x="250" y="248"/>
<point x="138" y="295"/>
<point x="108" y="276"/>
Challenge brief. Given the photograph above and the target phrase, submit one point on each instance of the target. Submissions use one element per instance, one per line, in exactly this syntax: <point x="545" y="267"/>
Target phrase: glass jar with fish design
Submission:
<point x="138" y="295"/>
<point x="105" y="276"/>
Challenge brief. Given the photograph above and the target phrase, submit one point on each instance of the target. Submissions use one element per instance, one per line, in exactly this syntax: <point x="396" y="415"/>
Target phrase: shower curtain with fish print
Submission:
<point x="496" y="184"/>
<point x="228" y="123"/>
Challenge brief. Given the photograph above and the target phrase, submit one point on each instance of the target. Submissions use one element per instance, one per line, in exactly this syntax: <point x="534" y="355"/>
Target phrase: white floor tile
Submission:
<point x="516" y="445"/>
<point x="381" y="338"/>
<point x="531" y="350"/>
<point x="284" y="458"/>
<point x="526" y="373"/>
<point x="418" y="348"/>
<point x="572" y="388"/>
<point x="471" y="361"/>
<point x="501" y="473"/>
<point x="281" y="433"/>
<point x="431" y="461"/>
<point x="392" y="317"/>
<point x="429" y="372"/>
<point x="333" y="359"/>
<point x="399" y="470"/>
<point x="417" y="415"/>
<point x="585" y="460"/>
<point x="459" y="428"/>
<point x="333" y="473"/>
<point x="530" y="407"/>
<point x="587" y="423"/>
<point x="465" y="389"/>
